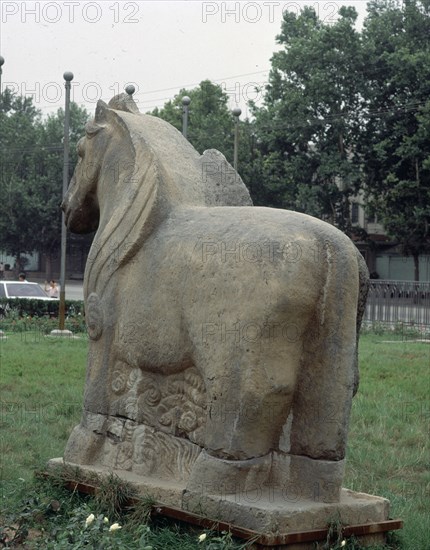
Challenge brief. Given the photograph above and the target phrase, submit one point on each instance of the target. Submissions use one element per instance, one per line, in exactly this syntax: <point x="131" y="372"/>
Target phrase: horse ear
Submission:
<point x="101" y="111"/>
<point x="124" y="102"/>
<point x="103" y="115"/>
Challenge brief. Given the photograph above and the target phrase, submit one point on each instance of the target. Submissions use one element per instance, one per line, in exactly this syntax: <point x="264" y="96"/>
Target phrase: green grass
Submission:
<point x="42" y="382"/>
<point x="388" y="451"/>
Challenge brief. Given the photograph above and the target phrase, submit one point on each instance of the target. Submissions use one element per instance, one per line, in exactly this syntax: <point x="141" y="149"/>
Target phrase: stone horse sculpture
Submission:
<point x="223" y="336"/>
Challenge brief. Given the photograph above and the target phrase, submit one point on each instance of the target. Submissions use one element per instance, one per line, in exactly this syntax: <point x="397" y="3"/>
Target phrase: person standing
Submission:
<point x="52" y="289"/>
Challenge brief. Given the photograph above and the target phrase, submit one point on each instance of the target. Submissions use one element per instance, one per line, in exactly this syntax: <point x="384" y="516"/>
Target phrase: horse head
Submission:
<point x="133" y="170"/>
<point x="89" y="183"/>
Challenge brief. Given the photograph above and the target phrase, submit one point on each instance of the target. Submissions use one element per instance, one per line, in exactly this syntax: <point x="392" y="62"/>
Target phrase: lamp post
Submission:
<point x="68" y="77"/>
<point x="130" y="89"/>
<point x="185" y="103"/>
<point x="1" y="93"/>
<point x="236" y="113"/>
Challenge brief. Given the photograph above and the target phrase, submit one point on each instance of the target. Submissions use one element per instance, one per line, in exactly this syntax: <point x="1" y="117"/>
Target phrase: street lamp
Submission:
<point x="1" y="65"/>
<point x="130" y="89"/>
<point x="236" y="113"/>
<point x="185" y="103"/>
<point x="68" y="77"/>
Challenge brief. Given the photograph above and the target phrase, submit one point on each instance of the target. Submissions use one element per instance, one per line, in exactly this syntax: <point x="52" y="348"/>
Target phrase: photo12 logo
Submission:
<point x="70" y="12"/>
<point x="249" y="332"/>
<point x="54" y="92"/>
<point x="209" y="249"/>
<point x="248" y="91"/>
<point x="254" y="12"/>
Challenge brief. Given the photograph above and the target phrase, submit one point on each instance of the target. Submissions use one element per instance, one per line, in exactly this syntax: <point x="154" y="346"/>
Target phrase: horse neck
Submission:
<point x="178" y="163"/>
<point x="137" y="190"/>
<point x="128" y="204"/>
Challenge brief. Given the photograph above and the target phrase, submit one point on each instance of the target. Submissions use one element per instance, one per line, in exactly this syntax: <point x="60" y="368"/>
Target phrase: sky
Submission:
<point x="159" y="46"/>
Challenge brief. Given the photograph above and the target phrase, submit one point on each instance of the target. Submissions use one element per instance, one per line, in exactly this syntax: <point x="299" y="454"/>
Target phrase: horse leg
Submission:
<point x="85" y="444"/>
<point x="318" y="425"/>
<point x="248" y="403"/>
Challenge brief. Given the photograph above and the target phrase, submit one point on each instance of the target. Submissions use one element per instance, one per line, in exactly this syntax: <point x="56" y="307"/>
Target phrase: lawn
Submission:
<point x="388" y="451"/>
<point x="42" y="383"/>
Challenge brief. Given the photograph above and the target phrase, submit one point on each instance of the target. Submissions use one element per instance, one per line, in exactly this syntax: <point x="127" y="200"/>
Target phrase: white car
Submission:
<point x="22" y="289"/>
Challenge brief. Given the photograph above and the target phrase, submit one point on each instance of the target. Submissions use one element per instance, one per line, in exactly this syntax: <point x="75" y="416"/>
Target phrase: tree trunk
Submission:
<point x="18" y="266"/>
<point x="48" y="267"/>
<point x="416" y="267"/>
<point x="341" y="145"/>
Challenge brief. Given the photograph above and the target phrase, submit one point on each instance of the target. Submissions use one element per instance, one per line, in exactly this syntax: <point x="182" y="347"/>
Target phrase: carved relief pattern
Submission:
<point x="94" y="316"/>
<point x="160" y="454"/>
<point x="157" y="422"/>
<point x="174" y="404"/>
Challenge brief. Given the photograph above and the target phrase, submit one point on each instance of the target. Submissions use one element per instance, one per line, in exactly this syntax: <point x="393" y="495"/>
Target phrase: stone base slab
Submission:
<point x="270" y="511"/>
<point x="61" y="333"/>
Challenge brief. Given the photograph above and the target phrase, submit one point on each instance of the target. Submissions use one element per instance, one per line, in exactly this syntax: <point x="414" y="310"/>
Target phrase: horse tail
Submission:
<point x="363" y="281"/>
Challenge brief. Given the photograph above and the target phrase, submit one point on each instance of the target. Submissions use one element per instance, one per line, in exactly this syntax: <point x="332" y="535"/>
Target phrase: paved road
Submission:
<point x="74" y="291"/>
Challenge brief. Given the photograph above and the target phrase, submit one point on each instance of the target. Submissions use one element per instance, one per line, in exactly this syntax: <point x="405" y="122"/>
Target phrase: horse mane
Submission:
<point x="191" y="178"/>
<point x="166" y="173"/>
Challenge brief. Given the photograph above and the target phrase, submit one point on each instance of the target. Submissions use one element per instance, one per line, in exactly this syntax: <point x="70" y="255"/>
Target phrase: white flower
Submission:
<point x="90" y="519"/>
<point x="202" y="537"/>
<point x="343" y="543"/>
<point x="115" y="527"/>
<point x="105" y="520"/>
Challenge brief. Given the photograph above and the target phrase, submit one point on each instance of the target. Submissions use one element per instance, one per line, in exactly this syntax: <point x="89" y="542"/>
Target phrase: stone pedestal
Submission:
<point x="61" y="333"/>
<point x="272" y="510"/>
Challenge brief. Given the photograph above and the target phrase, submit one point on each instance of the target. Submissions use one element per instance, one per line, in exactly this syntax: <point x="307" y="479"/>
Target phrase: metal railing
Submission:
<point x="398" y="301"/>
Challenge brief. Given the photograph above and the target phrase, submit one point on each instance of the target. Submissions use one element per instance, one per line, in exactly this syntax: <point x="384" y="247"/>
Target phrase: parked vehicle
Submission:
<point x="19" y="289"/>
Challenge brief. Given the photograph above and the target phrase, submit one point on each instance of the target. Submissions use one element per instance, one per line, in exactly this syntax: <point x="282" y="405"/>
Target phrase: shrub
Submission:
<point x="39" y="308"/>
<point x="22" y="315"/>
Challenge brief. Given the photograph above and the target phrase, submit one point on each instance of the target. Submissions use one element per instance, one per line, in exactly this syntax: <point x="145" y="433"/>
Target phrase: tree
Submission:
<point x="210" y="122"/>
<point x="308" y="124"/>
<point x="346" y="112"/>
<point x="211" y="125"/>
<point x="47" y="185"/>
<point x="395" y="142"/>
<point x="18" y="136"/>
<point x="31" y="180"/>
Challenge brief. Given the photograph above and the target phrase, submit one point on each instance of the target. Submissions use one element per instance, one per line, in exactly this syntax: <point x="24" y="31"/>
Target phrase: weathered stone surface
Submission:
<point x="222" y="336"/>
<point x="275" y="510"/>
<point x="271" y="509"/>
<point x="221" y="183"/>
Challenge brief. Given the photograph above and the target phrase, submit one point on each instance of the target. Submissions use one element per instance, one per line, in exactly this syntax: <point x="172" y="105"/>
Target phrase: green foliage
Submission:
<point x="39" y="317"/>
<point x="31" y="155"/>
<point x="400" y="331"/>
<point x="345" y="112"/>
<point x="348" y="111"/>
<point x="19" y="131"/>
<point x="308" y="124"/>
<point x="210" y="123"/>
<point x="387" y="448"/>
<point x="396" y="131"/>
<point x="46" y="516"/>
<point x="113" y="495"/>
<point x="84" y="530"/>
<point x="390" y="419"/>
